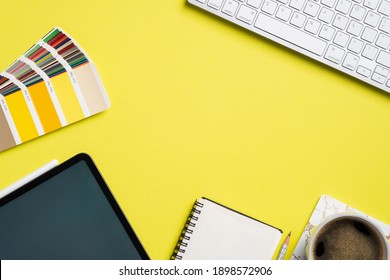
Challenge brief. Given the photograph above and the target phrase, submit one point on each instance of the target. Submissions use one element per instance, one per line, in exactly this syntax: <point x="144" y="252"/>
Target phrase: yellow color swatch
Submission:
<point x="21" y="115"/>
<point x="44" y="106"/>
<point x="67" y="98"/>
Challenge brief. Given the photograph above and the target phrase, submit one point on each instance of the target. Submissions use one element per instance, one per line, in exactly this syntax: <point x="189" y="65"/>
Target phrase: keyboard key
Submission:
<point x="246" y="14"/>
<point x="369" y="34"/>
<point x="254" y="3"/>
<point x="283" y="13"/>
<point x="354" y="28"/>
<point x="326" y="15"/>
<point x="334" y="54"/>
<point x="369" y="52"/>
<point x="311" y="8"/>
<point x="383" y="41"/>
<point x="350" y="61"/>
<point x="384" y="8"/>
<point x="283" y="1"/>
<point x="290" y="34"/>
<point x="372" y="4"/>
<point x="388" y="83"/>
<point x="372" y="18"/>
<point x="381" y="71"/>
<point x="340" y="21"/>
<point x="312" y="26"/>
<point x="385" y="25"/>
<point x="384" y="59"/>
<point x="216" y="4"/>
<point x="298" y="19"/>
<point x="378" y="78"/>
<point x="355" y="45"/>
<point x="327" y="32"/>
<point x="297" y="4"/>
<point x="363" y="71"/>
<point x="230" y="7"/>
<point x="343" y="6"/>
<point x="269" y="7"/>
<point x="341" y="39"/>
<point x="358" y="12"/>
<point x="328" y="3"/>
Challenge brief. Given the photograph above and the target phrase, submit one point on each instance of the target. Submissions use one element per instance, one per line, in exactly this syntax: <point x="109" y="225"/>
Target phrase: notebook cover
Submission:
<point x="216" y="232"/>
<point x="327" y="206"/>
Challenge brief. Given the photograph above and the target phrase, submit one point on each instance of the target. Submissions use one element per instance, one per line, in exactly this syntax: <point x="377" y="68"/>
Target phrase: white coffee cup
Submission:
<point x="347" y="236"/>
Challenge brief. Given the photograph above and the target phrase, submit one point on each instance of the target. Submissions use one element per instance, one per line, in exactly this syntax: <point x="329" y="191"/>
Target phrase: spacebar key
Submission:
<point x="290" y="34"/>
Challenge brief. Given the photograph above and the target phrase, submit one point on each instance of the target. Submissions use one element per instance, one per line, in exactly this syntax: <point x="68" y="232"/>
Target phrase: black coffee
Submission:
<point x="348" y="239"/>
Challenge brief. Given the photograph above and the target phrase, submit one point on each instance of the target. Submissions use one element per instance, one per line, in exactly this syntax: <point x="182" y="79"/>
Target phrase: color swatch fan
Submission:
<point x="52" y="85"/>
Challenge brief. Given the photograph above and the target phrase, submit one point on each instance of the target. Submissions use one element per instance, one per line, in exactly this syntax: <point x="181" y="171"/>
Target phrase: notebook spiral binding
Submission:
<point x="187" y="231"/>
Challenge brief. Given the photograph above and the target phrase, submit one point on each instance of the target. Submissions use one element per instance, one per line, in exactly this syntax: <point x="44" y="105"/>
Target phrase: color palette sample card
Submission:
<point x="52" y="85"/>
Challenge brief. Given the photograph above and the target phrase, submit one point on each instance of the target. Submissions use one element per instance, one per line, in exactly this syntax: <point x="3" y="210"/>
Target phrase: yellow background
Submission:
<point x="203" y="108"/>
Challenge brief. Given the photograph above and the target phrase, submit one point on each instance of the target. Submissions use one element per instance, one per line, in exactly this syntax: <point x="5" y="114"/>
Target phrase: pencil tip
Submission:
<point x="289" y="233"/>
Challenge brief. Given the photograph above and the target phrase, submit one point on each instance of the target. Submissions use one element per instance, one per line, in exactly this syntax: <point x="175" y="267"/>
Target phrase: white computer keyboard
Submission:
<point x="351" y="36"/>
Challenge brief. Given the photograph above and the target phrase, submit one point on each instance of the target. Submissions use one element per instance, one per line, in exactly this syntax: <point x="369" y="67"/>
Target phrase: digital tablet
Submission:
<point x="67" y="213"/>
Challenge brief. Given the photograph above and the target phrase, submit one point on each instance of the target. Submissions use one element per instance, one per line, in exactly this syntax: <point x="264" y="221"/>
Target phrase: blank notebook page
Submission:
<point x="223" y="234"/>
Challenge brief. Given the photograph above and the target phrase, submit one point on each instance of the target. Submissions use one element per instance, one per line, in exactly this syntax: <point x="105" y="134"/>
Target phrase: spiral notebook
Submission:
<point x="215" y="232"/>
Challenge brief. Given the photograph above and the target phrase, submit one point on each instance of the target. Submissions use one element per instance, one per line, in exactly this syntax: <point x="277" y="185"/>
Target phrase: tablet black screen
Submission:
<point x="66" y="216"/>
